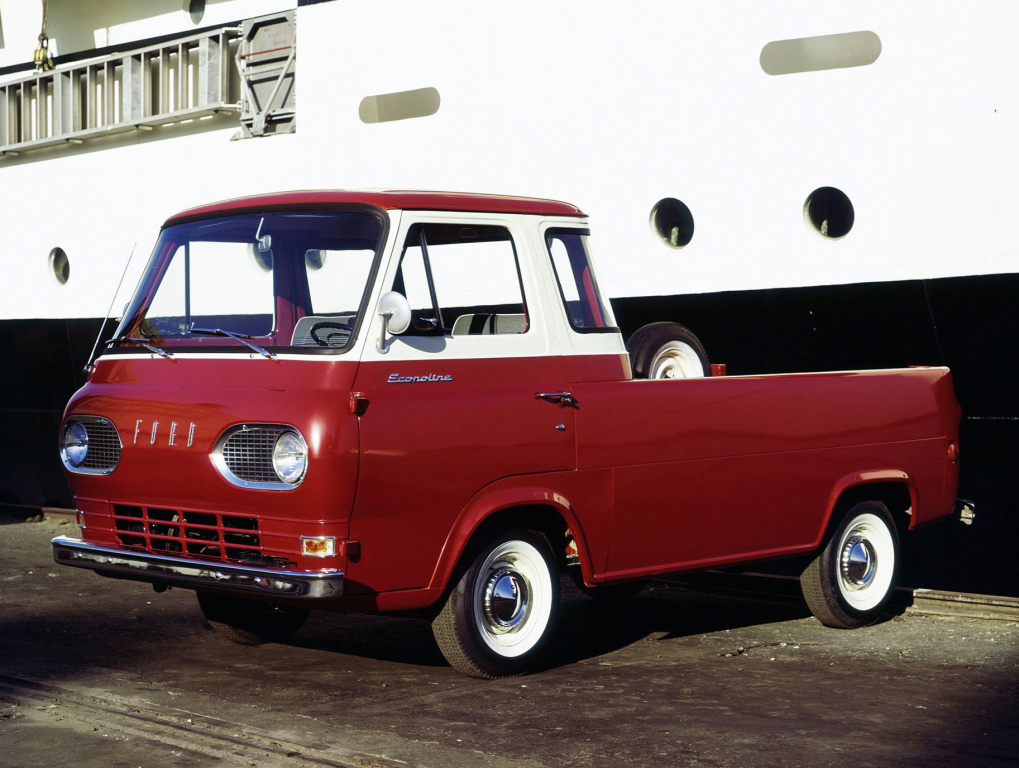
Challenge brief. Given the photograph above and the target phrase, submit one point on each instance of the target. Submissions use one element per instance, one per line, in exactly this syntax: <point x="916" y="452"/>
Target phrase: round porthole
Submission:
<point x="59" y="265"/>
<point x="829" y="212"/>
<point x="672" y="221"/>
<point x="196" y="8"/>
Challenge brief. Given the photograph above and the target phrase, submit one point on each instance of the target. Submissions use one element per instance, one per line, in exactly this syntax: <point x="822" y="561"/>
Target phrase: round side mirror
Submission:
<point x="395" y="308"/>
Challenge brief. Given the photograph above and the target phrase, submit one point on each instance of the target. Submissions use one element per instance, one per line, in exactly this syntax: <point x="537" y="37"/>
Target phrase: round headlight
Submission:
<point x="75" y="440"/>
<point x="290" y="458"/>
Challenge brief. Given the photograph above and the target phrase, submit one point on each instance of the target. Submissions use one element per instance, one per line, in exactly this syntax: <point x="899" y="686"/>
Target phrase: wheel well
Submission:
<point x="893" y="495"/>
<point x="534" y="518"/>
<point x="531" y="517"/>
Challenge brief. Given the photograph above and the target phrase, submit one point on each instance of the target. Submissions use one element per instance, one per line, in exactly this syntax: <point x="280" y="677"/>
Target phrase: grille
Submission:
<point x="247" y="453"/>
<point x="103" y="444"/>
<point x="206" y="535"/>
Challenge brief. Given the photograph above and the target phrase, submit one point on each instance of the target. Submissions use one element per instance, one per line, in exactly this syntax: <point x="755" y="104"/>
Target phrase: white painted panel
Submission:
<point x="606" y="107"/>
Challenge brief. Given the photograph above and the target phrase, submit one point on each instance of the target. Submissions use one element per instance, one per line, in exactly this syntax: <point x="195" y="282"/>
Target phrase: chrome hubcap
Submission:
<point x="506" y="600"/>
<point x="858" y="562"/>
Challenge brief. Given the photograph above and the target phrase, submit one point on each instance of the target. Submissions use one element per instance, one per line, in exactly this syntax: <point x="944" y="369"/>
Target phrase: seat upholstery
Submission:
<point x="335" y="336"/>
<point x="484" y="324"/>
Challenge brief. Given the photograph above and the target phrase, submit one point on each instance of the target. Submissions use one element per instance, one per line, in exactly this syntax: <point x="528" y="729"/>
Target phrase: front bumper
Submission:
<point x="195" y="574"/>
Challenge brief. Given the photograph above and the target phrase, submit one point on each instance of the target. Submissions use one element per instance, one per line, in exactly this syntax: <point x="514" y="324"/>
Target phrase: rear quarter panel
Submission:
<point x="719" y="470"/>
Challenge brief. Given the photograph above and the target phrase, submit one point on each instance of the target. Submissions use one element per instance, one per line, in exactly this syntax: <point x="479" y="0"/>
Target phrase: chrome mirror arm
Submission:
<point x="380" y="345"/>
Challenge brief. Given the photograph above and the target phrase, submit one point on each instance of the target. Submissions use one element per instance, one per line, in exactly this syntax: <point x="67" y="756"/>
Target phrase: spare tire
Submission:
<point x="667" y="351"/>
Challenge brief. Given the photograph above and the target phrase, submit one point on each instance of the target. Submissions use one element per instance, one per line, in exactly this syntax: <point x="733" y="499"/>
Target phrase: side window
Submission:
<point x="577" y="285"/>
<point x="462" y="280"/>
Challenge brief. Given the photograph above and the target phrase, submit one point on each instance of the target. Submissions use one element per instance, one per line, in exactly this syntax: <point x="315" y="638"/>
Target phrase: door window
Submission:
<point x="462" y="281"/>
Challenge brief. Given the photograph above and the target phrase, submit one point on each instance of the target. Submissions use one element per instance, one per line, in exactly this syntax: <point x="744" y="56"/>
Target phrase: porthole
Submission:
<point x="59" y="265"/>
<point x="672" y="221"/>
<point x="196" y="8"/>
<point x="830" y="212"/>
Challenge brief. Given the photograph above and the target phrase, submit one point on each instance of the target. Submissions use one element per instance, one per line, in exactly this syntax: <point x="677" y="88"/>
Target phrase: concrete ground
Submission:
<point x="96" y="672"/>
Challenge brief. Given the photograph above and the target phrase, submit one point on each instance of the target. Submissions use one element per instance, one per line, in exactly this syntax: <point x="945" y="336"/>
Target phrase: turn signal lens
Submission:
<point x="318" y="546"/>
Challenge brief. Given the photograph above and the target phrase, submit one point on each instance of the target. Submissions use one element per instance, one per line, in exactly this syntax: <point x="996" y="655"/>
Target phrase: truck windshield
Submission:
<point x="282" y="279"/>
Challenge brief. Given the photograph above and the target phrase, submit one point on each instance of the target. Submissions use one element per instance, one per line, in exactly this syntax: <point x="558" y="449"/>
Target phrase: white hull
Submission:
<point x="607" y="109"/>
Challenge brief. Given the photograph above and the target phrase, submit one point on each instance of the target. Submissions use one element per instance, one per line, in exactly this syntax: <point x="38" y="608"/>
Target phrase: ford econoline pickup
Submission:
<point x="419" y="403"/>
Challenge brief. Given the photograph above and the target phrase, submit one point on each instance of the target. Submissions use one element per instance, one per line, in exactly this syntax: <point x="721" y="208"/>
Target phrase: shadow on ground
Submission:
<point x="588" y="627"/>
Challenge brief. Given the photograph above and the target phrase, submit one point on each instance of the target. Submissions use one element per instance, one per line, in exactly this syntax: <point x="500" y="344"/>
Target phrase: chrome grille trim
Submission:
<point x="243" y="455"/>
<point x="187" y="533"/>
<point x="104" y="446"/>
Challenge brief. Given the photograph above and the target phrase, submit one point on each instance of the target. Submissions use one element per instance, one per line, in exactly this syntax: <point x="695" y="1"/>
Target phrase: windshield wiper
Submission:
<point x="236" y="337"/>
<point x="142" y="342"/>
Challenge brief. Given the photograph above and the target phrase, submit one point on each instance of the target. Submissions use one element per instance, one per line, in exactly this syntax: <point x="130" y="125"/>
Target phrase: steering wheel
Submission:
<point x="340" y="333"/>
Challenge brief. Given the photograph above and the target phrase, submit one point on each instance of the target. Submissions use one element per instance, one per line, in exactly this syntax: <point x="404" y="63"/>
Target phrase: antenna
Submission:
<point x="88" y="366"/>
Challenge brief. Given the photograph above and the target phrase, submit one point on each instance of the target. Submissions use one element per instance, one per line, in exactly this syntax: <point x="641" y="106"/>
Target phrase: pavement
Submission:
<point x="683" y="675"/>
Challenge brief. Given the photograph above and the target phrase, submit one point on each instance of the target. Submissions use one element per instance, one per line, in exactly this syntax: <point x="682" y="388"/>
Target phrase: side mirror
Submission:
<point x="394" y="309"/>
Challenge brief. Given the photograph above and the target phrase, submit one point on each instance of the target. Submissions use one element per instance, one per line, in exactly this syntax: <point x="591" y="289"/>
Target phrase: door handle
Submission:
<point x="563" y="398"/>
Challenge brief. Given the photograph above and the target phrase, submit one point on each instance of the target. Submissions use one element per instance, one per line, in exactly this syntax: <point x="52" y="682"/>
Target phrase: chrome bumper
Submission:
<point x="195" y="574"/>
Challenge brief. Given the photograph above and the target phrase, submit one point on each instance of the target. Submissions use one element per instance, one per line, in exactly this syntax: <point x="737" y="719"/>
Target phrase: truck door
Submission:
<point x="451" y="402"/>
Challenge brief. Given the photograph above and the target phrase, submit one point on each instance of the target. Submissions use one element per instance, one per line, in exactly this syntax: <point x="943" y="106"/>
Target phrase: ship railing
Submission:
<point x="186" y="79"/>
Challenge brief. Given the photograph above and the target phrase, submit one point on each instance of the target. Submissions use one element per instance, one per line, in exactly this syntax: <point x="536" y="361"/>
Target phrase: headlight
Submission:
<point x="269" y="457"/>
<point x="290" y="457"/>
<point x="74" y="443"/>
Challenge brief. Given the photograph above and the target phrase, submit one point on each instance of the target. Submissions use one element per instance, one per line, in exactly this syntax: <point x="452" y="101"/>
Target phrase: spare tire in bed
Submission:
<point x="667" y="351"/>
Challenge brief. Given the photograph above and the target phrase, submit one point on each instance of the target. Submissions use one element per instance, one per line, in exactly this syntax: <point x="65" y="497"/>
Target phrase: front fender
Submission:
<point x="581" y="499"/>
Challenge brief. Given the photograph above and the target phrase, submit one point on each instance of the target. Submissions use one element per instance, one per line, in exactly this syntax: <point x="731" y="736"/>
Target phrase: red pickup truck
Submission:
<point x="418" y="403"/>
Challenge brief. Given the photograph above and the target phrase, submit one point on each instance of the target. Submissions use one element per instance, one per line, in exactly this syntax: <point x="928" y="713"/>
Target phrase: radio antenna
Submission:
<point x="88" y="366"/>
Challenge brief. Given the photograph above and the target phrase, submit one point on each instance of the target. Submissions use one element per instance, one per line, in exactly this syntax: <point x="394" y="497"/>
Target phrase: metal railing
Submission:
<point x="185" y="79"/>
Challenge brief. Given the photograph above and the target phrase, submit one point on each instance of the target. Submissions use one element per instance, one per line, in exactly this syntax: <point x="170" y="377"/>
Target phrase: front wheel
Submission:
<point x="251" y="622"/>
<point x="499" y="617"/>
<point x="850" y="582"/>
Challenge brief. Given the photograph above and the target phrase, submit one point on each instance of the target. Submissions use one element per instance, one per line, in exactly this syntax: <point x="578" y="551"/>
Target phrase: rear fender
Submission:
<point x="859" y="480"/>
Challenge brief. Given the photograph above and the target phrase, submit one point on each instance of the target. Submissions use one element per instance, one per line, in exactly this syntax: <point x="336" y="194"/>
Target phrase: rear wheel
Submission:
<point x="251" y="622"/>
<point x="850" y="582"/>
<point x="499" y="617"/>
<point x="667" y="351"/>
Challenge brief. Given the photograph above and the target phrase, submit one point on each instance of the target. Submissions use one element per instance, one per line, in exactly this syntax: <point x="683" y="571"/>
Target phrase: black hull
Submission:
<point x="966" y="323"/>
<point x="42" y="366"/>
